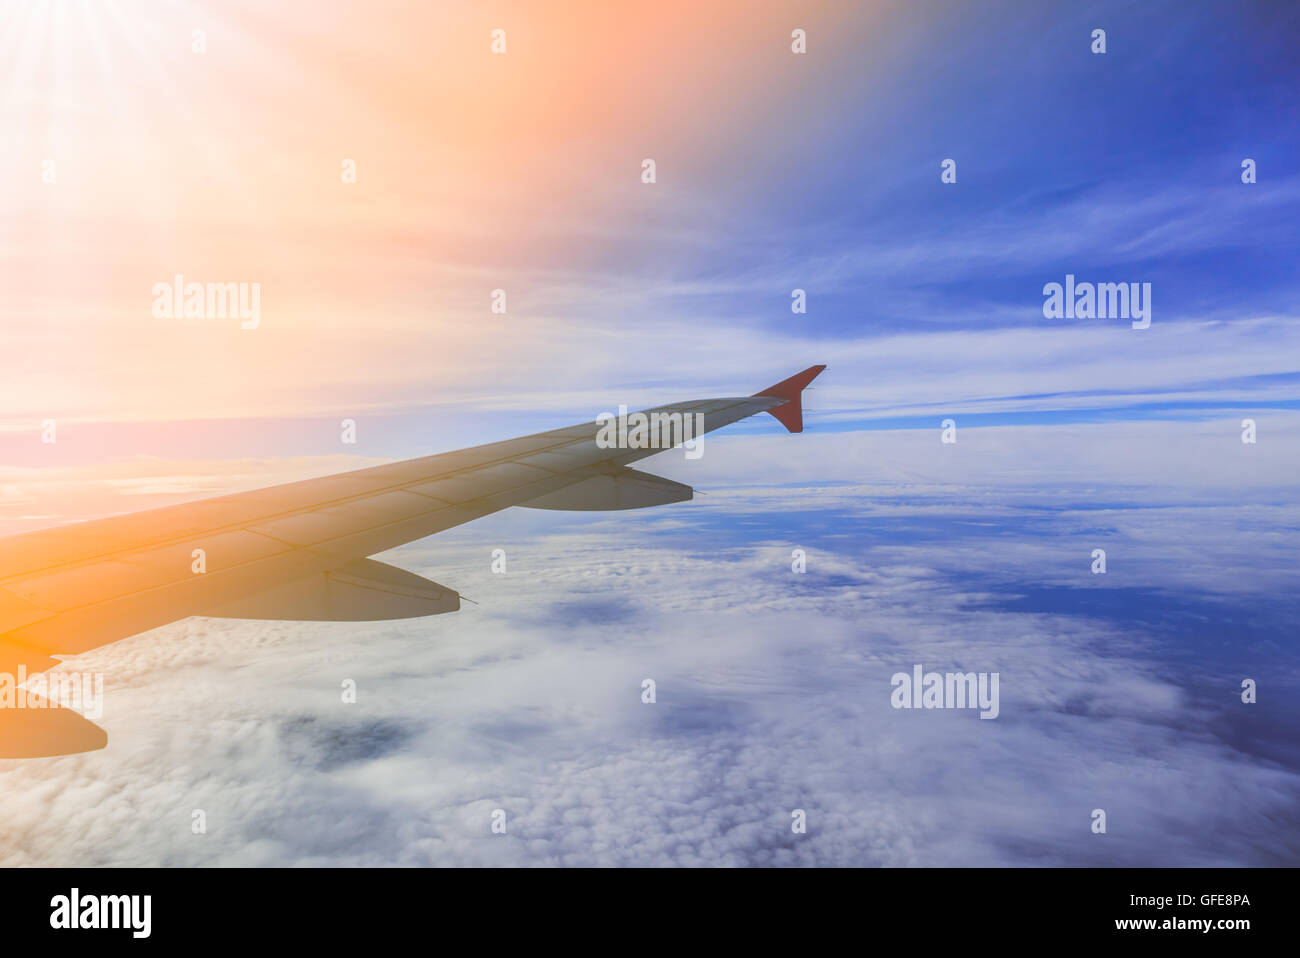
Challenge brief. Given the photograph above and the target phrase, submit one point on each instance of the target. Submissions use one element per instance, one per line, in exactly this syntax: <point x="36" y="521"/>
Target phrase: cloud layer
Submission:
<point x="1118" y="692"/>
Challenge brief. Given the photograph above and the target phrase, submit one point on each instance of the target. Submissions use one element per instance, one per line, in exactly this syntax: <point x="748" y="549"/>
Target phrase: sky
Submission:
<point x="219" y="156"/>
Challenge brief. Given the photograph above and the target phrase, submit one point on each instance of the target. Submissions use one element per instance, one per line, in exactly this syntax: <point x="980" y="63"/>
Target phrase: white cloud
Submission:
<point x="773" y="694"/>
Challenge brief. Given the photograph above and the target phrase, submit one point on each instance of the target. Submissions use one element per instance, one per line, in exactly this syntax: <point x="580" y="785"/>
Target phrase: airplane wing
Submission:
<point x="299" y="551"/>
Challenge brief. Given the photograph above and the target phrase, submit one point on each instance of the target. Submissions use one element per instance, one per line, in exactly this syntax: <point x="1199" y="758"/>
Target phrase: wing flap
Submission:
<point x="40" y="729"/>
<point x="623" y="489"/>
<point x="361" y="591"/>
<point x="68" y="588"/>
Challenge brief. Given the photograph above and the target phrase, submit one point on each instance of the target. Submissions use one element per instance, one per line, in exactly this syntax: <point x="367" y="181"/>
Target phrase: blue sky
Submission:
<point x="1119" y="167"/>
<point x="1125" y="164"/>
<point x="818" y="172"/>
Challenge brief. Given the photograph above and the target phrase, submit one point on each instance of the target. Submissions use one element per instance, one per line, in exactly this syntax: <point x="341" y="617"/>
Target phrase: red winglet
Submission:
<point x="790" y="413"/>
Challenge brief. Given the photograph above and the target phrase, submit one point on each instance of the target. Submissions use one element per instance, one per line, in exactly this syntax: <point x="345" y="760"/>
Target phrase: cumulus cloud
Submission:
<point x="773" y="694"/>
